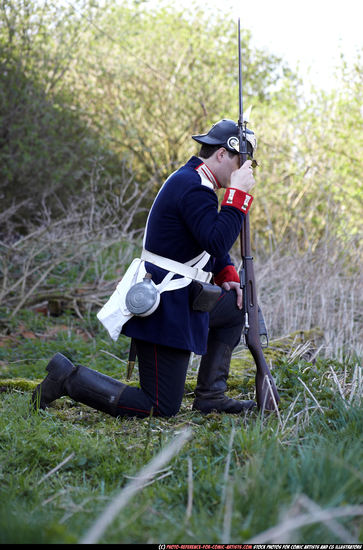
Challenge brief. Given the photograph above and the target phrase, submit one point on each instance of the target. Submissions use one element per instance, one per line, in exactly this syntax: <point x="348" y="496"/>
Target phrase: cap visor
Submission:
<point x="203" y="138"/>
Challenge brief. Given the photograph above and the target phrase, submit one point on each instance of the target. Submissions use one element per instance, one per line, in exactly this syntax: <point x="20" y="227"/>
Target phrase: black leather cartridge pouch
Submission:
<point x="204" y="295"/>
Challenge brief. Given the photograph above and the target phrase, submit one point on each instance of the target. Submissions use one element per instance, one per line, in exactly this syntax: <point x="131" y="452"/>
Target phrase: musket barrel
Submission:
<point x="266" y="393"/>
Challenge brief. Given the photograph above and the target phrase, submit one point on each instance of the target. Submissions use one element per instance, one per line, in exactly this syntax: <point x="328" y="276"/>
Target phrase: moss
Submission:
<point x="8" y="384"/>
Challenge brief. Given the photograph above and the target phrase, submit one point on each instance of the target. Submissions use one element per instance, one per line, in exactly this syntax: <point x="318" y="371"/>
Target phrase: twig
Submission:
<point x="291" y="408"/>
<point x="21" y="280"/>
<point x="93" y="535"/>
<point x="300" y="350"/>
<point x="138" y="476"/>
<point x="167" y="474"/>
<point x="356" y="386"/>
<point x="339" y="386"/>
<point x="188" y="511"/>
<point x="310" y="393"/>
<point x="273" y="398"/>
<point x="353" y="386"/>
<point x="227" y="519"/>
<point x="228" y="462"/>
<point x="24" y="299"/>
<point x="227" y="492"/>
<point x="275" y="533"/>
<point x="56" y="468"/>
<point x="337" y="382"/>
<point x="112" y="355"/>
<point x="333" y="525"/>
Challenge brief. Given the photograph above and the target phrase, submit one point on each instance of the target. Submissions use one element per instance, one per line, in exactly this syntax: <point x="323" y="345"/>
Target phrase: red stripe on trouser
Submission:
<point x="133" y="409"/>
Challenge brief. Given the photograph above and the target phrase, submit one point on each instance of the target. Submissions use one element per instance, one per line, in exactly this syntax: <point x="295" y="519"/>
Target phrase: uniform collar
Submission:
<point x="206" y="172"/>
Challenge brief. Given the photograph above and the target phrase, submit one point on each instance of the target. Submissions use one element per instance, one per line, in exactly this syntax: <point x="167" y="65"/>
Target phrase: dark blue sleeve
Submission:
<point x="215" y="231"/>
<point x="221" y="263"/>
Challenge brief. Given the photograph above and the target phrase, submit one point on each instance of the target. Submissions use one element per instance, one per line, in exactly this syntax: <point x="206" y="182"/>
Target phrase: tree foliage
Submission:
<point x="147" y="93"/>
<point x="84" y="84"/>
<point x="44" y="144"/>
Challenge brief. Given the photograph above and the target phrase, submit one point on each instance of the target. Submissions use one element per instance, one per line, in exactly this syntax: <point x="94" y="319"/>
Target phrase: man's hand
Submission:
<point x="242" y="178"/>
<point x="232" y="285"/>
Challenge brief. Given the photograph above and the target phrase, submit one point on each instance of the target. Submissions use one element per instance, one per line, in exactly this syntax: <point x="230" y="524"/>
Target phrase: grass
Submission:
<point x="234" y="479"/>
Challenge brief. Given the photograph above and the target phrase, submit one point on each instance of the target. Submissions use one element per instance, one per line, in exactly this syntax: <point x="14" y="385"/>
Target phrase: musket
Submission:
<point x="266" y="392"/>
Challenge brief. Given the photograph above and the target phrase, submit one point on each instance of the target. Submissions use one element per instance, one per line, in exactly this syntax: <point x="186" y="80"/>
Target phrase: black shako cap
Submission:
<point x="225" y="134"/>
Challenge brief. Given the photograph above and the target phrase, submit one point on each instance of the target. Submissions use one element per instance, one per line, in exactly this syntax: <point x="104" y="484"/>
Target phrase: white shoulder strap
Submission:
<point x="191" y="270"/>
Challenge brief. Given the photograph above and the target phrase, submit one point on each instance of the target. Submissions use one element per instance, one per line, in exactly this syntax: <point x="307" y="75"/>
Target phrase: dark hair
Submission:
<point x="206" y="151"/>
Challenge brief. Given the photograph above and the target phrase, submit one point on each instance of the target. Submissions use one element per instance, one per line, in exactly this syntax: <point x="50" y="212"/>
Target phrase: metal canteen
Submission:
<point x="143" y="298"/>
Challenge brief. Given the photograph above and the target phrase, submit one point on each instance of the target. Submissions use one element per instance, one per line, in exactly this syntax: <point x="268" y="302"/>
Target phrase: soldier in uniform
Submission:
<point x="187" y="239"/>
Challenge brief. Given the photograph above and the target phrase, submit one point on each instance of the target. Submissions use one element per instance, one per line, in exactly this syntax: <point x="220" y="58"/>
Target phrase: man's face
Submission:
<point x="228" y="164"/>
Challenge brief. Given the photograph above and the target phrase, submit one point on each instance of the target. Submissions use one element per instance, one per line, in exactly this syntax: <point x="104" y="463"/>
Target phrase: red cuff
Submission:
<point x="239" y="199"/>
<point x="227" y="275"/>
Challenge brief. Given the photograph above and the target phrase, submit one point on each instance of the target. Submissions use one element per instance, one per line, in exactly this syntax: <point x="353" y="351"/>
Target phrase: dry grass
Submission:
<point x="321" y="289"/>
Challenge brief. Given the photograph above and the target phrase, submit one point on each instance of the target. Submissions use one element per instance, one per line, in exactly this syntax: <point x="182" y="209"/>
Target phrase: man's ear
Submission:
<point x="220" y="153"/>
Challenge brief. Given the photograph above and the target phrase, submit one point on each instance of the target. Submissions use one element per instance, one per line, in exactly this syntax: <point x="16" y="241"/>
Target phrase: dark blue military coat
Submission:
<point x="183" y="222"/>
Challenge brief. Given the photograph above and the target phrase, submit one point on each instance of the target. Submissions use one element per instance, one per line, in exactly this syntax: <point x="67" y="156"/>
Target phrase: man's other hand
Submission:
<point x="232" y="285"/>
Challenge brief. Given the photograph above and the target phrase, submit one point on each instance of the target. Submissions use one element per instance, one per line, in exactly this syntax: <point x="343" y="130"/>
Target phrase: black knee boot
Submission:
<point x="82" y="384"/>
<point x="212" y="382"/>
